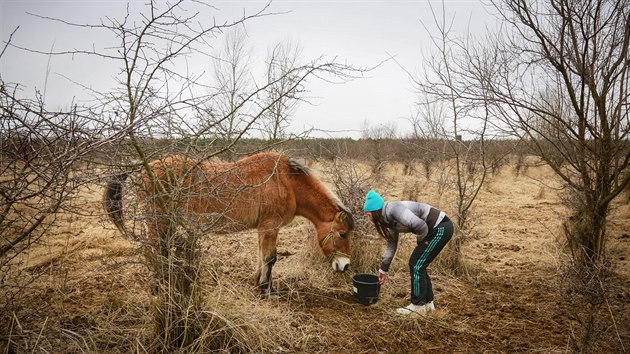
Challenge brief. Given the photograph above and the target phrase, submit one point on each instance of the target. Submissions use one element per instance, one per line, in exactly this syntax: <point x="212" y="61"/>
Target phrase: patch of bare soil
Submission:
<point x="94" y="295"/>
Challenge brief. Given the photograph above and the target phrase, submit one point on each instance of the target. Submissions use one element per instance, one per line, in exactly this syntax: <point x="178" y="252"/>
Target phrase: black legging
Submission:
<point x="422" y="256"/>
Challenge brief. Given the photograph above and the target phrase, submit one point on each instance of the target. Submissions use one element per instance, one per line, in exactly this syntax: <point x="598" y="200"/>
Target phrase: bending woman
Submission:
<point x="433" y="230"/>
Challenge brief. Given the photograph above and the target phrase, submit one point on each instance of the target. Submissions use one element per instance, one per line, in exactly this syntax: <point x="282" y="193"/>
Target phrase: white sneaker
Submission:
<point x="411" y="308"/>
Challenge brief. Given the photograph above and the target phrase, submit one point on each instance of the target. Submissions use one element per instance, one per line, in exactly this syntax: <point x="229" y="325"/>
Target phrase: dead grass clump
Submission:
<point x="120" y="325"/>
<point x="365" y="257"/>
<point x="451" y="259"/>
<point x="452" y="262"/>
<point x="312" y="269"/>
<point x="85" y="313"/>
<point x="236" y="320"/>
<point x="585" y="290"/>
<point x="366" y="253"/>
<point x="230" y="318"/>
<point x="215" y="332"/>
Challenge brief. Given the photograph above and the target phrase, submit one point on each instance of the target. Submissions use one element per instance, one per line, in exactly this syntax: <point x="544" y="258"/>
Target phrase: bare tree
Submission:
<point x="444" y="95"/>
<point x="160" y="106"/>
<point x="429" y="132"/>
<point x="556" y="77"/>
<point x="429" y="119"/>
<point x="281" y="60"/>
<point x="378" y="135"/>
<point x="561" y="84"/>
<point x="233" y="81"/>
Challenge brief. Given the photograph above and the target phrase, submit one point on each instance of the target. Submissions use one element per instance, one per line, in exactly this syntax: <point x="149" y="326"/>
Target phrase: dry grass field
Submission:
<point x="94" y="295"/>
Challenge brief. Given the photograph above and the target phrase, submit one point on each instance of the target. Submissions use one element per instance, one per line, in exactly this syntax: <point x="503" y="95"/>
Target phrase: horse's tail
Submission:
<point x="112" y="201"/>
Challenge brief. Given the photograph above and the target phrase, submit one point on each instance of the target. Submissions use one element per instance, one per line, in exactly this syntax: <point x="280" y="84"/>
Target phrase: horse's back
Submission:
<point x="264" y="192"/>
<point x="250" y="192"/>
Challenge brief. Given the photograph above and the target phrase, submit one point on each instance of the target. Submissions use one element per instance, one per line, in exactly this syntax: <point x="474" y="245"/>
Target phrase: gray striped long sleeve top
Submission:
<point x="407" y="216"/>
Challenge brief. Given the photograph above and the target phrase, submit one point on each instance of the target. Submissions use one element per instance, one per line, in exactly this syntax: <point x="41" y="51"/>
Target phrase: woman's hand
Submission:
<point x="381" y="276"/>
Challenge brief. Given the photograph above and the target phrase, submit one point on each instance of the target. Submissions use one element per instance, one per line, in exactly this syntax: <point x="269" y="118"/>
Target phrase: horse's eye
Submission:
<point x="343" y="235"/>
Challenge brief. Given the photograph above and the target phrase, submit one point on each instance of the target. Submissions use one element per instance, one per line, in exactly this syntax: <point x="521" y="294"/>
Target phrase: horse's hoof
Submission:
<point x="266" y="293"/>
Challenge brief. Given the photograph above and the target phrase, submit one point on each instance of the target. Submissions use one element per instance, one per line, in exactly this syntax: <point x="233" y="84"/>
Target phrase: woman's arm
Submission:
<point x="390" y="250"/>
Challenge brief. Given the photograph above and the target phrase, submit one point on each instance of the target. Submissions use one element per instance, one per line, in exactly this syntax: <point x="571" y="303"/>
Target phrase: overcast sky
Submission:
<point x="362" y="33"/>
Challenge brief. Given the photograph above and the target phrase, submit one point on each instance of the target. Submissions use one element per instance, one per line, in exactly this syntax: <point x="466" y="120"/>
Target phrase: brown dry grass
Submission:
<point x="94" y="297"/>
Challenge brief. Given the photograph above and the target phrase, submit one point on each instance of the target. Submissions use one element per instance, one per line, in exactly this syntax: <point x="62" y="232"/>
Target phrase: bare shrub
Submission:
<point x="351" y="182"/>
<point x="498" y="153"/>
<point x="585" y="291"/>
<point x="410" y="191"/>
<point x="520" y="166"/>
<point x="162" y="100"/>
<point x="180" y="320"/>
<point x="45" y="158"/>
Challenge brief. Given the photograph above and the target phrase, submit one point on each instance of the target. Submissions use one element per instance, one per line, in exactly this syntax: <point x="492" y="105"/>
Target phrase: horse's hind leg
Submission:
<point x="267" y="238"/>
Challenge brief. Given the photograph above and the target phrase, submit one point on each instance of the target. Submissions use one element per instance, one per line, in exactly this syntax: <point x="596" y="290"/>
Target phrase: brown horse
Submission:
<point x="263" y="191"/>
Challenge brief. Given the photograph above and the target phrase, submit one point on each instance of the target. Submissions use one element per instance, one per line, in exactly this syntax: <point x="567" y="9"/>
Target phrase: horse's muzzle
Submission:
<point x="341" y="264"/>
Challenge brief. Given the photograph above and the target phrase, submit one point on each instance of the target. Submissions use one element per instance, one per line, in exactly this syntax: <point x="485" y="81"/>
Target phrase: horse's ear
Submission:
<point x="345" y="218"/>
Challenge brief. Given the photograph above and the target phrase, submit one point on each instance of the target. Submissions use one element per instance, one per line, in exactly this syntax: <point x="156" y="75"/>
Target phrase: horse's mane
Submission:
<point x="298" y="168"/>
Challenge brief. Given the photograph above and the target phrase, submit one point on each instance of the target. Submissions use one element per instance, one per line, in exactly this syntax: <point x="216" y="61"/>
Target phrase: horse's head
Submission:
<point x="334" y="239"/>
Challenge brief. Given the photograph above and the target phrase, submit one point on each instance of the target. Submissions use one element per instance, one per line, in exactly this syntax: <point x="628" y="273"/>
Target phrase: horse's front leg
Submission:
<point x="267" y="238"/>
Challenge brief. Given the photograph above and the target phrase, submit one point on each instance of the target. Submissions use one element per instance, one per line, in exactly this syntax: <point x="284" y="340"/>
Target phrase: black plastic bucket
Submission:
<point x="365" y="288"/>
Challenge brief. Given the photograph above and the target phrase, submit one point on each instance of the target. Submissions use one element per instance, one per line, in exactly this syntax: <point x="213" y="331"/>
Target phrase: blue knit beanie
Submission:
<point x="373" y="201"/>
